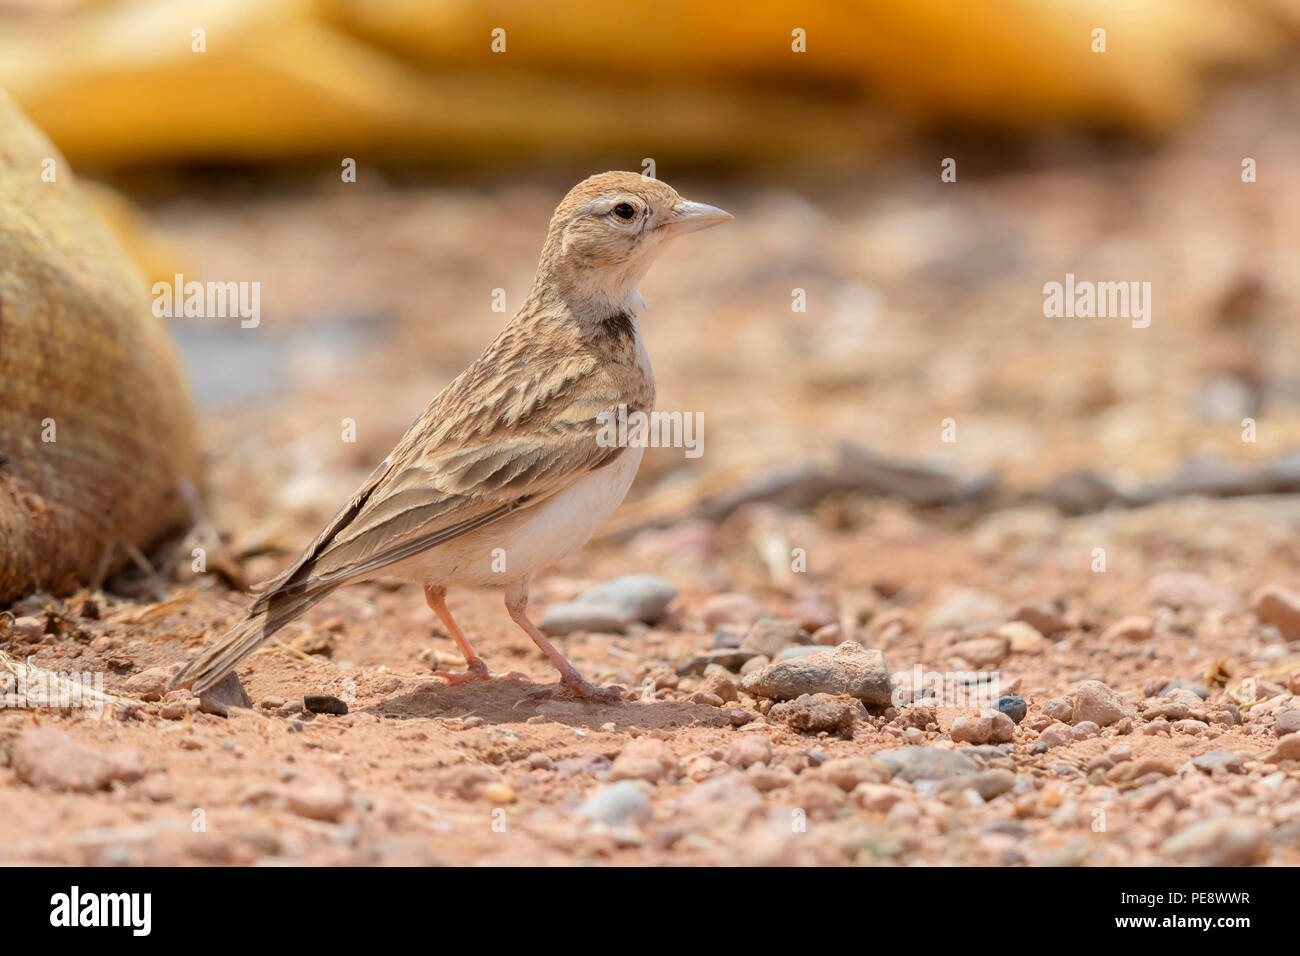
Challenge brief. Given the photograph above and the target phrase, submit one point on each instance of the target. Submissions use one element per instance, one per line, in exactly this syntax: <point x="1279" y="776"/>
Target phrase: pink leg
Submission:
<point x="475" y="668"/>
<point x="571" y="682"/>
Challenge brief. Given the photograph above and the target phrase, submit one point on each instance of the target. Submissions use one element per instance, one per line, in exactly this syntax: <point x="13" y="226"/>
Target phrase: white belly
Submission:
<point x="529" y="540"/>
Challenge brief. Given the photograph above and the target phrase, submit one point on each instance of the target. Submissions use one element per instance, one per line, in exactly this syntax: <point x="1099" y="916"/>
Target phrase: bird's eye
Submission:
<point x="625" y="211"/>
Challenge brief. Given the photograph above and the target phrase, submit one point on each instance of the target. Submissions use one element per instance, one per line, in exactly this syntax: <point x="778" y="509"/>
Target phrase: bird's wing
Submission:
<point x="505" y="435"/>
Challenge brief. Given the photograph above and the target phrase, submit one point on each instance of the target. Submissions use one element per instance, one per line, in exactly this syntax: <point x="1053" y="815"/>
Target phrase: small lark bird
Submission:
<point x="507" y="455"/>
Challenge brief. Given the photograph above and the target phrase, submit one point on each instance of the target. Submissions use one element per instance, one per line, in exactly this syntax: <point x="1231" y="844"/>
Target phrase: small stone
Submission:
<point x="540" y="761"/>
<point x="848" y="772"/>
<point x="877" y="797"/>
<point x="1003" y="727"/>
<point x="729" y="659"/>
<point x="29" y="629"/>
<point x="52" y="760"/>
<point x="1085" y="730"/>
<point x="619" y="804"/>
<point x="1094" y="701"/>
<point x="565" y="618"/>
<point x="748" y="751"/>
<point x="499" y="793"/>
<point x="1059" y="708"/>
<point x="971" y="730"/>
<point x="645" y="758"/>
<point x="1199" y="690"/>
<point x="1288" y="748"/>
<point x="721" y="684"/>
<point x="1178" y="589"/>
<point x="965" y="610"/>
<point x="731" y="609"/>
<point x="326" y="800"/>
<point x="324" y="704"/>
<point x="815" y="713"/>
<point x="1191" y="727"/>
<point x="772" y="635"/>
<point x="637" y="597"/>
<point x="1277" y="606"/>
<point x="983" y="653"/>
<point x="1286" y="722"/>
<point x="1022" y="638"/>
<point x="849" y="669"/>
<point x="828" y="635"/>
<point x="987" y="783"/>
<point x="151" y="684"/>
<point x="1129" y="629"/>
<point x="1014" y="707"/>
<point x="927" y="763"/>
<point x="271" y="703"/>
<point x="1043" y="618"/>
<point x="1228" y="841"/>
<point x="221" y="696"/>
<point x="1213" y="759"/>
<point x="1057" y="735"/>
<point x="815" y="610"/>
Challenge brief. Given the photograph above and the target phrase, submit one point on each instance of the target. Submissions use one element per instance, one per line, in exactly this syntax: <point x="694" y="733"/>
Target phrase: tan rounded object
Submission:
<point x="96" y="426"/>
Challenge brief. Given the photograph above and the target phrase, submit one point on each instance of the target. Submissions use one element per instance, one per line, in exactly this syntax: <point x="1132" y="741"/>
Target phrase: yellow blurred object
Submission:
<point x="96" y="430"/>
<point x="132" y="81"/>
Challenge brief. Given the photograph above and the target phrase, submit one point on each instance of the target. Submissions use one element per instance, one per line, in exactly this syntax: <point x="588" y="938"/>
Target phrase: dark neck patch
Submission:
<point x="618" y="326"/>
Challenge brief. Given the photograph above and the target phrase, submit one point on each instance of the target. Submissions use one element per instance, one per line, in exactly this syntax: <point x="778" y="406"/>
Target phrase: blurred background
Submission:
<point x="213" y="135"/>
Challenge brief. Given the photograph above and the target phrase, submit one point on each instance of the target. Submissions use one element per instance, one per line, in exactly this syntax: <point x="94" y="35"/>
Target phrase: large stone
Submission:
<point x="849" y="669"/>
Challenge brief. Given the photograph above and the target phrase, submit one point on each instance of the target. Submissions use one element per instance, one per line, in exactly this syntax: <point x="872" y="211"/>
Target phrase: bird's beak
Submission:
<point x="693" y="216"/>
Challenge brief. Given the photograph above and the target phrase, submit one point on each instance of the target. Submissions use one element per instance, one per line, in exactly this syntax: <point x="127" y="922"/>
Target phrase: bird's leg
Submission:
<point x="572" y="684"/>
<point x="475" y="668"/>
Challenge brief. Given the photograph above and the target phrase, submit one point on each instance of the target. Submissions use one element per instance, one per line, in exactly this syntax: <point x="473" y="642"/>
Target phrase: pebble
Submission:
<point x="927" y="763"/>
<point x="721" y="684"/>
<point x="324" y="800"/>
<point x="729" y="659"/>
<point x="1014" y="707"/>
<point x="271" y="703"/>
<point x="815" y="610"/>
<point x="971" y="730"/>
<point x="849" y="669"/>
<point x="1194" y="728"/>
<point x="965" y="610"/>
<point x="731" y="609"/>
<point x="1288" y="748"/>
<point x="1213" y="759"/>
<point x="565" y="618"/>
<point x="151" y="684"/>
<point x="1199" y="690"/>
<point x="1022" y="638"/>
<point x="1094" y="701"/>
<point x="1058" y="708"/>
<point x="1277" y="606"/>
<point x="618" y="804"/>
<point x="1057" y="735"/>
<point x="1286" y="722"/>
<point x="52" y="760"/>
<point x="828" y="635"/>
<point x="815" y="713"/>
<point x="645" y="758"/>
<point x="987" y="783"/>
<point x="641" y="597"/>
<point x="324" y="704"/>
<point x="1043" y="618"/>
<point x="983" y="653"/>
<point x="772" y="635"/>
<point x="1229" y="841"/>
<point x="1128" y="629"/>
<point x="540" y="761"/>
<point x="1085" y="729"/>
<point x="28" y="628"/>
<point x="226" y="693"/>
<point x="848" y="772"/>
<point x="747" y="751"/>
<point x="1180" y="589"/>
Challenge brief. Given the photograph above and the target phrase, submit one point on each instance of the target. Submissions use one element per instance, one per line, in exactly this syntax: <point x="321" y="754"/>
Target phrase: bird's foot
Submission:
<point x="476" y="671"/>
<point x="579" y="689"/>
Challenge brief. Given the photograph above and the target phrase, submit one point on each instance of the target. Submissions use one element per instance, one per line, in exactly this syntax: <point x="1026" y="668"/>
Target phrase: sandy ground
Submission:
<point x="924" y="306"/>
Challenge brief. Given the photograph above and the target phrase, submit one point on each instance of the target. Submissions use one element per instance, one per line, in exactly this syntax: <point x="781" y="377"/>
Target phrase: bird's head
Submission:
<point x="607" y="232"/>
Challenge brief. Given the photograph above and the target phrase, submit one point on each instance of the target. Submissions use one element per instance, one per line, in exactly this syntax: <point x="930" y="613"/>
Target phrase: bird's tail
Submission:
<point x="269" y="613"/>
